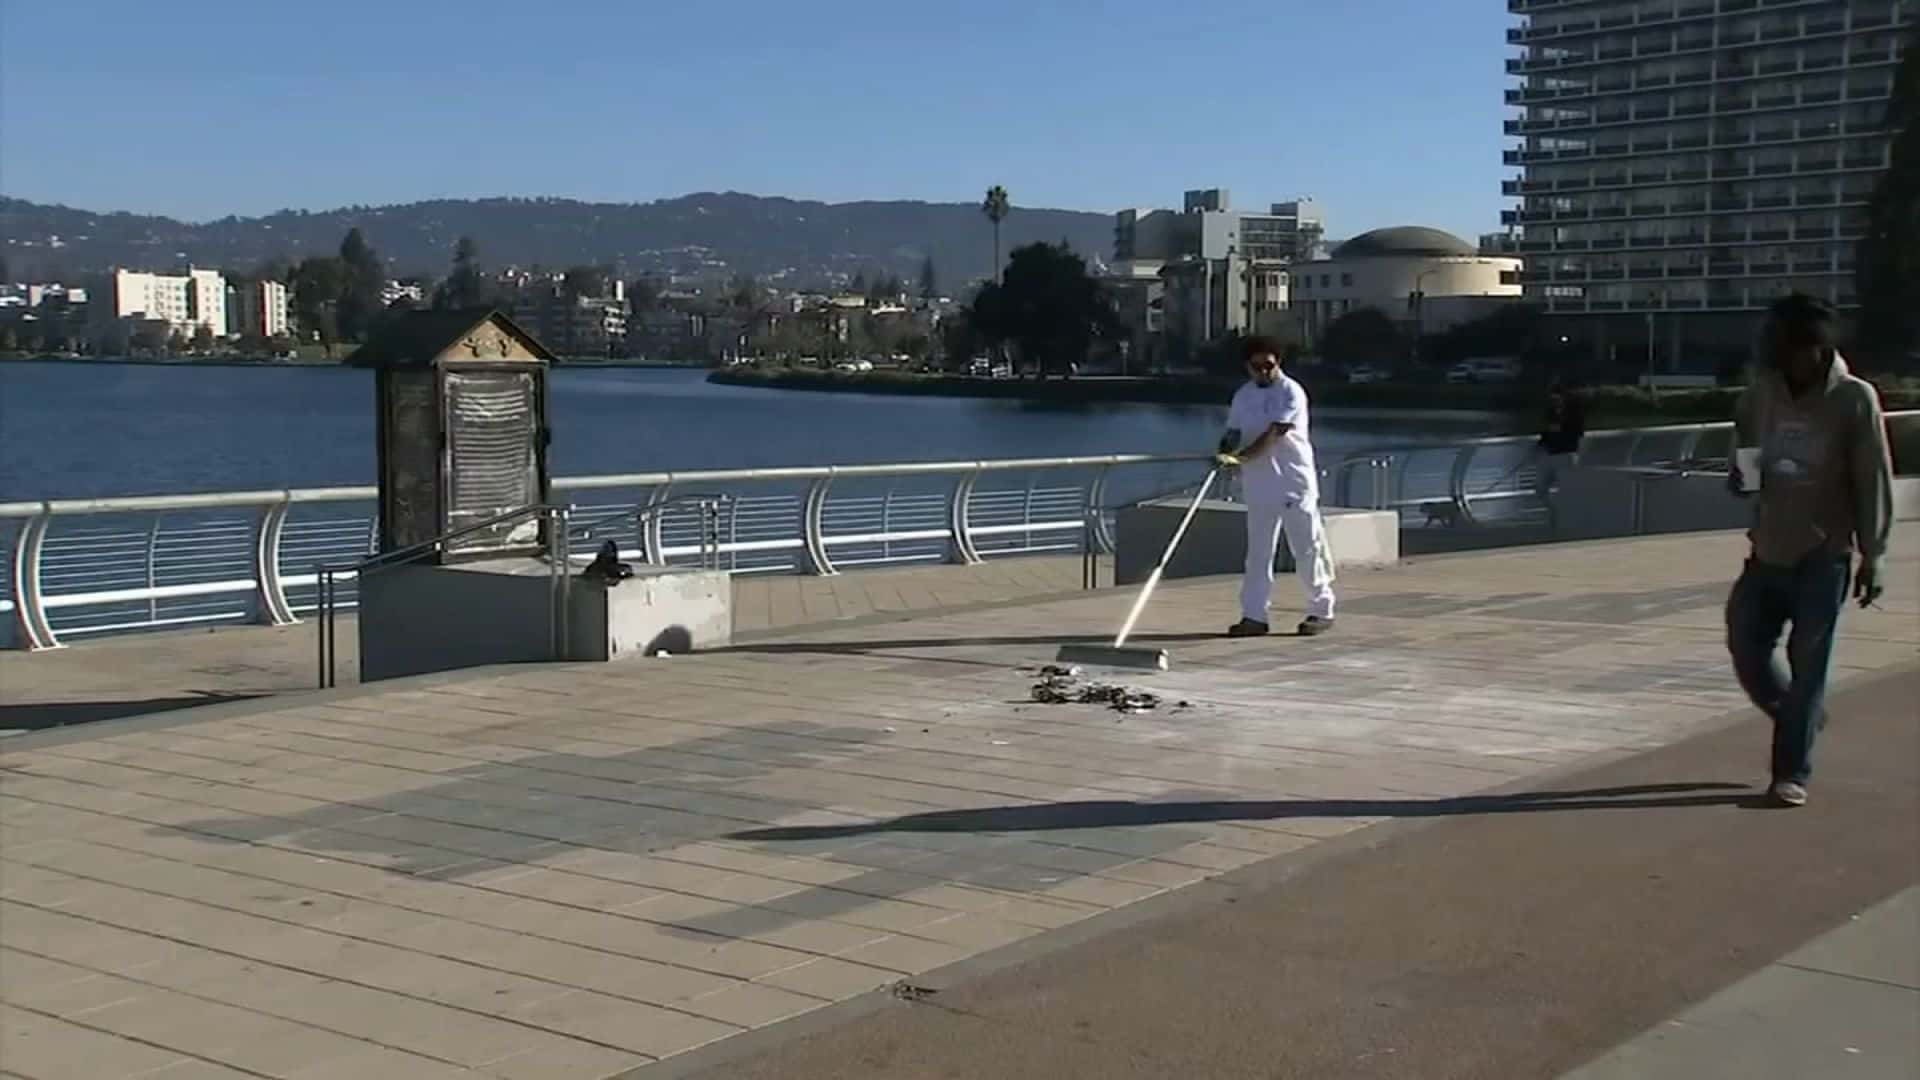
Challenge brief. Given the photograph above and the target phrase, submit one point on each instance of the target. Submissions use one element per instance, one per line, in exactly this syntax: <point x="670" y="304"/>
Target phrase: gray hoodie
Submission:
<point x="1826" y="475"/>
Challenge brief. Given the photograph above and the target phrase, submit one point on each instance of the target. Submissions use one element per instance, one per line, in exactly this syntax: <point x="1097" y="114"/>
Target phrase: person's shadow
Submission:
<point x="1094" y="814"/>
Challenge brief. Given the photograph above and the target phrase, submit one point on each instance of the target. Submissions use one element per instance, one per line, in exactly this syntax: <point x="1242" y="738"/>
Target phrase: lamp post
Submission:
<point x="1420" y="309"/>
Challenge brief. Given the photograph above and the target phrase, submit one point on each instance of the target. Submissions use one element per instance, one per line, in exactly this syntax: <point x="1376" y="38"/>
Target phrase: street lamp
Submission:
<point x="1420" y="308"/>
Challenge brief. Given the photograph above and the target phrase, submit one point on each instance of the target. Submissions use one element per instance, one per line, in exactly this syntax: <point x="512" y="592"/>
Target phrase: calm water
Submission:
<point x="89" y="430"/>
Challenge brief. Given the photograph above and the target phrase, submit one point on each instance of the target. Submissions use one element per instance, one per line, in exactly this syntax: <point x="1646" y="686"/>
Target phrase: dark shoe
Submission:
<point x="1248" y="628"/>
<point x="1314" y="626"/>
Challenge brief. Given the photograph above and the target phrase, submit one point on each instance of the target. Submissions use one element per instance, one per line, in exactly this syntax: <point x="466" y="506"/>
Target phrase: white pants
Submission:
<point x="1312" y="559"/>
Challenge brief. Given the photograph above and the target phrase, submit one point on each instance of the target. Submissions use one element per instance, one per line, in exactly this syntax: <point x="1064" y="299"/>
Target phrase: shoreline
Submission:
<point x="1606" y="406"/>
<point x="302" y="362"/>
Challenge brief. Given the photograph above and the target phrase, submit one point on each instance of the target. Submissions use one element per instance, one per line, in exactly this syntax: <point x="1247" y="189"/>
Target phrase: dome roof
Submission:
<point x="1405" y="240"/>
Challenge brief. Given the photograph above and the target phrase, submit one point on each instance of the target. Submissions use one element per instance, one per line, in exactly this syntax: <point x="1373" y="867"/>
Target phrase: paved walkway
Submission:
<point x="574" y="871"/>
<point x="142" y="673"/>
<point x="1845" y="1007"/>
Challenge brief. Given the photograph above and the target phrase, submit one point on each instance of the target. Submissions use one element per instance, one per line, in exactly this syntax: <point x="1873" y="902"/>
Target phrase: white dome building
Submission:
<point x="1428" y="278"/>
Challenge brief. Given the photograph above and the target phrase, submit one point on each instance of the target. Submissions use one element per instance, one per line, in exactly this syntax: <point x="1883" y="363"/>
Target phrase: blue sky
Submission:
<point x="1388" y="111"/>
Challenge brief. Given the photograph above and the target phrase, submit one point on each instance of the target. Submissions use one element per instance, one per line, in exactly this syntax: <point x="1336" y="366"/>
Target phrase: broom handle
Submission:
<point x="1140" y="602"/>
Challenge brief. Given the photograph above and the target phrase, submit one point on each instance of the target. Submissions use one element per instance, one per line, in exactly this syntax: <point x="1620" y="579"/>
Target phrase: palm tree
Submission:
<point x="996" y="208"/>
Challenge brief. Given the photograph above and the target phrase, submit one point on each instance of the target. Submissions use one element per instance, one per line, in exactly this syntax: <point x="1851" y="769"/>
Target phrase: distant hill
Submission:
<point x="716" y="233"/>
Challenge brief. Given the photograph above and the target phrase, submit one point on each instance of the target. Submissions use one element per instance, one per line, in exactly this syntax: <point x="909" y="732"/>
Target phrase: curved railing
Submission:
<point x="78" y="567"/>
<point x="1492" y="481"/>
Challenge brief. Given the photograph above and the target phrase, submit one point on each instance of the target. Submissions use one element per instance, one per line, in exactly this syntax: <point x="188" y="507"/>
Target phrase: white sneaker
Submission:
<point x="1788" y="793"/>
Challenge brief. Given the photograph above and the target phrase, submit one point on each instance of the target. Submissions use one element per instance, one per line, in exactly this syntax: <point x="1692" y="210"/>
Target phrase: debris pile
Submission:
<point x="1062" y="686"/>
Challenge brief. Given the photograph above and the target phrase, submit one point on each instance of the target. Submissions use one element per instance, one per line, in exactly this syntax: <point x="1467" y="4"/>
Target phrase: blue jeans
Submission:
<point x="1765" y="599"/>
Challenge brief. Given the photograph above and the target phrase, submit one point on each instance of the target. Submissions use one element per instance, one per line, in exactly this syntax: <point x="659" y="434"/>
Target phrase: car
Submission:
<point x="1366" y="373"/>
<point x="1488" y="369"/>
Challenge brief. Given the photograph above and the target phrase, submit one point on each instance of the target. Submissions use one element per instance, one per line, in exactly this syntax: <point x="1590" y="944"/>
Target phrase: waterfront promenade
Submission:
<point x="1500" y="821"/>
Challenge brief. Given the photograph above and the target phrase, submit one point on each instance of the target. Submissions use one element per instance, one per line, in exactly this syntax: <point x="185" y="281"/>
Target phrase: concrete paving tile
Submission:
<point x="574" y="1059"/>
<point x="1882" y="943"/>
<point x="906" y="955"/>
<point x="194" y="1069"/>
<point x="831" y="978"/>
<point x="627" y="1025"/>
<point x="374" y="1061"/>
<point x="1783" y="1022"/>
<point x="752" y="1005"/>
<point x="46" y="1048"/>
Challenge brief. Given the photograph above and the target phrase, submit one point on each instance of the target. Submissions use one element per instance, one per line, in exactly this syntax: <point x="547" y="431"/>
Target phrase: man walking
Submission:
<point x="1282" y="491"/>
<point x="1825" y="491"/>
<point x="1559" y="448"/>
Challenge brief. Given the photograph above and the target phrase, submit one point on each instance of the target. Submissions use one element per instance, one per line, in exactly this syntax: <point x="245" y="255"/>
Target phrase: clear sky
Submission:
<point x="1387" y="111"/>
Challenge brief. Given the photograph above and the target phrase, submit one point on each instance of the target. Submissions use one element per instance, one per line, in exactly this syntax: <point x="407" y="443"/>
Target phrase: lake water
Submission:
<point x="70" y="430"/>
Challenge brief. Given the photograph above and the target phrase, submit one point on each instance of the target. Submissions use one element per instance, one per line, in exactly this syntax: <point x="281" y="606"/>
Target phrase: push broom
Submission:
<point x="1117" y="654"/>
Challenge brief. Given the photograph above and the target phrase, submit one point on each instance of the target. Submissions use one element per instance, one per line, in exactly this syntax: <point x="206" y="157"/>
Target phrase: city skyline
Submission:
<point x="1084" y="110"/>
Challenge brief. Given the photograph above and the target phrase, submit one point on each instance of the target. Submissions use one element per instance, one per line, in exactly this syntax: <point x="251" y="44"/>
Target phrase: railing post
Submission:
<point x="274" y="608"/>
<point x="1097" y="511"/>
<point x="153" y="579"/>
<point x="813" y="537"/>
<point x="559" y="581"/>
<point x="653" y="545"/>
<point x="1026" y="512"/>
<point x="28" y="611"/>
<point x="886" y="523"/>
<point x="958" y="509"/>
<point x="322" y="624"/>
<point x="1457" y="482"/>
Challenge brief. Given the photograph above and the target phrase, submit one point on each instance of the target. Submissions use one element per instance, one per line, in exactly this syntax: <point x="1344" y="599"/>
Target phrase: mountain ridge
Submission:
<point x="702" y="233"/>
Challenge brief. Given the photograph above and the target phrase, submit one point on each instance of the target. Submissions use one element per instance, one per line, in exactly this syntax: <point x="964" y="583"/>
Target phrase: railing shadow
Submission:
<point x="1101" y="814"/>
<point x="864" y="648"/>
<point x="42" y="715"/>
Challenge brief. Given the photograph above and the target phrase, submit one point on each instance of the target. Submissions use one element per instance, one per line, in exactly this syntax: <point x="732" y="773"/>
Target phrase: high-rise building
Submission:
<point x="258" y="308"/>
<point x="1685" y="162"/>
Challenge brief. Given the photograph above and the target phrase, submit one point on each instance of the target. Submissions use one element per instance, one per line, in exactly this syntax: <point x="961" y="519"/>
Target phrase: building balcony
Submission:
<point x="1605" y="82"/>
<point x="1598" y="151"/>
<point x="1717" y="240"/>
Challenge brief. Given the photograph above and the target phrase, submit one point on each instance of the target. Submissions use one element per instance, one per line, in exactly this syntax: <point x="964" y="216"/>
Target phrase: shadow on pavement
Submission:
<point x="41" y="715"/>
<point x="854" y="648"/>
<point x="1101" y="814"/>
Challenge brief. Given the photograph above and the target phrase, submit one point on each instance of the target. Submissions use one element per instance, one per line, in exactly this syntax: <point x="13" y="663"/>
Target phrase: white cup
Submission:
<point x="1747" y="459"/>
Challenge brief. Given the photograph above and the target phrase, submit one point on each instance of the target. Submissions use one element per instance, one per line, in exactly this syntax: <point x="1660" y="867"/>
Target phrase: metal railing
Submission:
<point x="79" y="567"/>
<point x="1493" y="482"/>
<point x="82" y="567"/>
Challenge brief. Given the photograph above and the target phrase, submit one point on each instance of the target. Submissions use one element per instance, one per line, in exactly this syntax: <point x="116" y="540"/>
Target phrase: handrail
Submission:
<point x="558" y="557"/>
<point x="653" y="511"/>
<point x="121" y="504"/>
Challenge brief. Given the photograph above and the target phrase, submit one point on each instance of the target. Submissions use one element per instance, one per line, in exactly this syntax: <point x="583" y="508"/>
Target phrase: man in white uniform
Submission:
<point x="1282" y="491"/>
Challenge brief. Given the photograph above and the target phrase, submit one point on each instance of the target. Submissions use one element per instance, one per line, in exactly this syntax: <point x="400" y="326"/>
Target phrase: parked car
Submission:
<point x="1367" y="373"/>
<point x="1485" y="369"/>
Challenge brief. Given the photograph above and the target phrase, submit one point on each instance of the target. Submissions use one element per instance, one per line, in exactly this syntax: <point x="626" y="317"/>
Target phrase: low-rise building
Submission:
<point x="573" y="325"/>
<point x="1428" y="278"/>
<point x="1184" y="279"/>
<point x="186" y="303"/>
